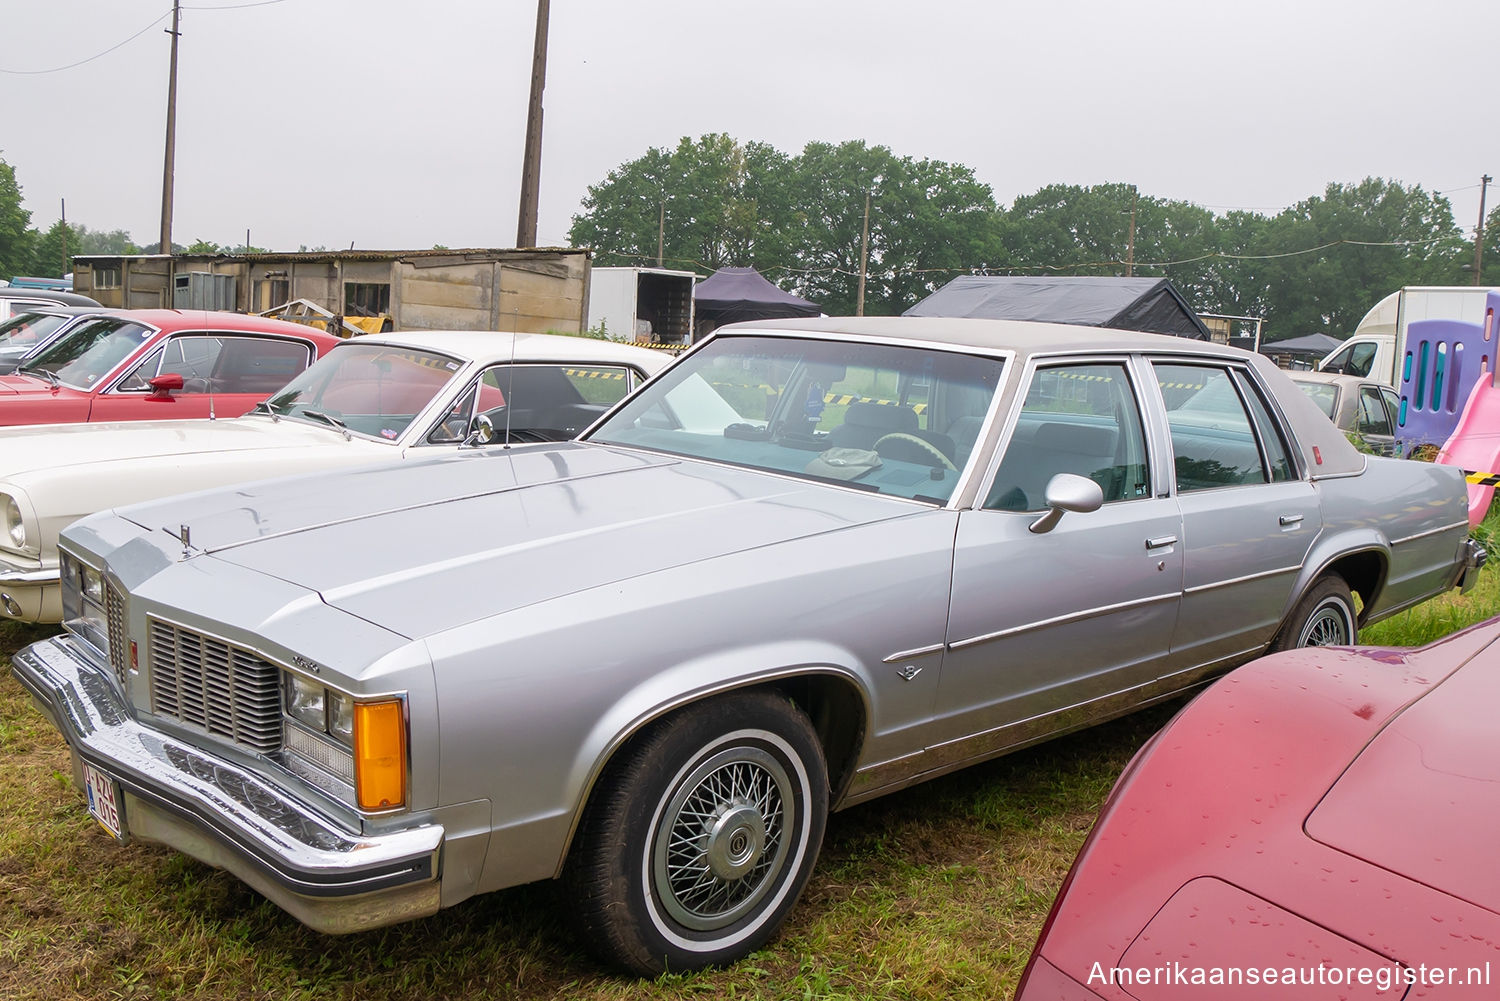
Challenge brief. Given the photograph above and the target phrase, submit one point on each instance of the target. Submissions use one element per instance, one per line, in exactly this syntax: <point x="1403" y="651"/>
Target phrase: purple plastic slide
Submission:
<point x="1474" y="444"/>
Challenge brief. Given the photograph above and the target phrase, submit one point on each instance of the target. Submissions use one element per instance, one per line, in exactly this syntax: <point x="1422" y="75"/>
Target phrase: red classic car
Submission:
<point x="1318" y="824"/>
<point x="154" y="364"/>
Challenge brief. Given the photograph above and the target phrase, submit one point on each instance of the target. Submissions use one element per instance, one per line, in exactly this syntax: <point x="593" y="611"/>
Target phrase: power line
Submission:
<point x="59" y="69"/>
<point x="138" y="34"/>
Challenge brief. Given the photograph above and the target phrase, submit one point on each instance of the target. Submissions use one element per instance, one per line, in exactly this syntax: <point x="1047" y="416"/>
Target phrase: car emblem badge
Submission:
<point x="909" y="672"/>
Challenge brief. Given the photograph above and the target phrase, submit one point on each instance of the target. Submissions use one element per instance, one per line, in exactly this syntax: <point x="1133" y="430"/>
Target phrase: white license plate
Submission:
<point x="104" y="800"/>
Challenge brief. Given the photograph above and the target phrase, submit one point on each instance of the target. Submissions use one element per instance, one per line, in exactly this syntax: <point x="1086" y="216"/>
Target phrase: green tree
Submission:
<point x="99" y="242"/>
<point x="53" y="250"/>
<point x="712" y="202"/>
<point x="1489" y="264"/>
<point x="1326" y="260"/>
<point x="16" y="236"/>
<point x="715" y="202"/>
<point x="929" y="221"/>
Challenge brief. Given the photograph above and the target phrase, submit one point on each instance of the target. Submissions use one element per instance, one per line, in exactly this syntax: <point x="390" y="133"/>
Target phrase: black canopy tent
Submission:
<point x="1146" y="304"/>
<point x="730" y="295"/>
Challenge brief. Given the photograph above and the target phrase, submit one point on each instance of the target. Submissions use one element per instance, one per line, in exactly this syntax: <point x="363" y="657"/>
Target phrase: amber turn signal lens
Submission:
<point x="379" y="755"/>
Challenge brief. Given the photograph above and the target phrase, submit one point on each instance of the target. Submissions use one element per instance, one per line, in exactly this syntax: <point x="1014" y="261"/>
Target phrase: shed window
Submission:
<point x="367" y="298"/>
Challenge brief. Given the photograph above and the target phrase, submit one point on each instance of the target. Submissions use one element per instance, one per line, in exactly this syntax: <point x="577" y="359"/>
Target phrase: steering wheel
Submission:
<point x="910" y="448"/>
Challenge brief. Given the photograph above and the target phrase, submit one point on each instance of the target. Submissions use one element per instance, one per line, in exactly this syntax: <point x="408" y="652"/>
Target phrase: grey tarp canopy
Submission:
<point x="1307" y="344"/>
<point x="1147" y="304"/>
<point x="730" y="295"/>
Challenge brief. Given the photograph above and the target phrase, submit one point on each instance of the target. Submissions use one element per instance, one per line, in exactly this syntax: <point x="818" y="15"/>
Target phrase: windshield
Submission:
<point x="892" y="420"/>
<point x="371" y="389"/>
<point x="90" y="351"/>
<point x="25" y="331"/>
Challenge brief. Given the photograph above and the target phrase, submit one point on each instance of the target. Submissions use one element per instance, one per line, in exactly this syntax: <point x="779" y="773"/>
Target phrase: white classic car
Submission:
<point x="414" y="392"/>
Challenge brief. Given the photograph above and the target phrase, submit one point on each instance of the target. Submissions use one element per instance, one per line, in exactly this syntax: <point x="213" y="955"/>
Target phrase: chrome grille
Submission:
<point x="119" y="643"/>
<point x="207" y="683"/>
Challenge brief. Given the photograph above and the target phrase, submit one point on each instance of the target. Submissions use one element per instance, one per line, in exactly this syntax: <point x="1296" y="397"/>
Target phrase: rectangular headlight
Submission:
<point x="362" y="743"/>
<point x="83" y="601"/>
<point x="307" y="703"/>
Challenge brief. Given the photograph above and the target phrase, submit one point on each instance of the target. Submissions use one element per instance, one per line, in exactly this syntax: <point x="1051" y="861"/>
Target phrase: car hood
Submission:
<point x="29" y="386"/>
<point x="427" y="546"/>
<point x="1419" y="800"/>
<point x="53" y="446"/>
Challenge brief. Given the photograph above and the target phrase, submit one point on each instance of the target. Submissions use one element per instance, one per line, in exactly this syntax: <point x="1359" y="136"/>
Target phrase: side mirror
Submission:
<point x="1068" y="492"/>
<point x="482" y="433"/>
<point x="163" y="386"/>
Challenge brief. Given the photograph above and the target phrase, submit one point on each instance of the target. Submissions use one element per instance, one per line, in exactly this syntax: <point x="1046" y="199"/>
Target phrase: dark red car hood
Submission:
<point x="24" y="385"/>
<point x="1441" y="754"/>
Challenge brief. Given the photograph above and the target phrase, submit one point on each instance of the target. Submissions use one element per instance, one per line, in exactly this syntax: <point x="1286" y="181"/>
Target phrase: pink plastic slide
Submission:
<point x="1475" y="444"/>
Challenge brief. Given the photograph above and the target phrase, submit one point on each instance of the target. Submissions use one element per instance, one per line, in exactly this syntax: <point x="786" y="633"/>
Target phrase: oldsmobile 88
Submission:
<point x="810" y="563"/>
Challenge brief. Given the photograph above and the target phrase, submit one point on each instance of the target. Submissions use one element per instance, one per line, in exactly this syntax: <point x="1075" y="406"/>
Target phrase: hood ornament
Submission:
<point x="185" y="536"/>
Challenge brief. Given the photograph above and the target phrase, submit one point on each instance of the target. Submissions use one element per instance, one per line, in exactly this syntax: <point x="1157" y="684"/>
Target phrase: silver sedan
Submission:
<point x="811" y="563"/>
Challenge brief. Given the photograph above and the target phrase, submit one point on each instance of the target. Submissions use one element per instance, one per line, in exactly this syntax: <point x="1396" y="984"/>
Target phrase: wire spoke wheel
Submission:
<point x="1328" y="626"/>
<point x="721" y="839"/>
<point x="702" y="834"/>
<point x="1324" y="616"/>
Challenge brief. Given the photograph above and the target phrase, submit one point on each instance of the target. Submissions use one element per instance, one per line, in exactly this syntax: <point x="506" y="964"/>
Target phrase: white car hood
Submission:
<point x="53" y="446"/>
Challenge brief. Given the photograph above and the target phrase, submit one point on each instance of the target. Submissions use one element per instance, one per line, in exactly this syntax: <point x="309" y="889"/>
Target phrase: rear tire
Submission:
<point x="1324" y="617"/>
<point x="698" y="842"/>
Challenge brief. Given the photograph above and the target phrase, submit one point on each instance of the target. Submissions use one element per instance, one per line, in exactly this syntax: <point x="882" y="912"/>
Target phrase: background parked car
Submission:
<point x="17" y="300"/>
<point x="1360" y="406"/>
<point x="156" y="364"/>
<point x="374" y="399"/>
<point x="651" y="660"/>
<point x="33" y="329"/>
<point x="1325" y="813"/>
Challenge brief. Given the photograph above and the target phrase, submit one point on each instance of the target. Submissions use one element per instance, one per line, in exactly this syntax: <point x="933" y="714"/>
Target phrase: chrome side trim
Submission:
<point x="909" y="654"/>
<point x="1201" y="588"/>
<point x="895" y="774"/>
<point x="30" y="576"/>
<point x="1088" y="613"/>
<point x="1422" y="535"/>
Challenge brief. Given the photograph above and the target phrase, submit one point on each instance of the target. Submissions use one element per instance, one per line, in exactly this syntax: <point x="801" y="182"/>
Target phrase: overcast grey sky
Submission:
<point x="393" y="124"/>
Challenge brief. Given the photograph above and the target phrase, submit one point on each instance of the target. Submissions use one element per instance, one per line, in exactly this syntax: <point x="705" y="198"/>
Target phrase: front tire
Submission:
<point x="699" y="841"/>
<point x="1324" y="617"/>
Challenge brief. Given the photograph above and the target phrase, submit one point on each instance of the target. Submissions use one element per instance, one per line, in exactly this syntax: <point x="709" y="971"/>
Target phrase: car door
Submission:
<point x="1249" y="515"/>
<point x="222" y="374"/>
<point x="1047" y="624"/>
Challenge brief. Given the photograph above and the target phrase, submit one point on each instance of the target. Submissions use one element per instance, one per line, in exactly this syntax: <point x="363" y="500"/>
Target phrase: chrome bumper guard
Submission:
<point x="332" y="880"/>
<point x="1474" y="559"/>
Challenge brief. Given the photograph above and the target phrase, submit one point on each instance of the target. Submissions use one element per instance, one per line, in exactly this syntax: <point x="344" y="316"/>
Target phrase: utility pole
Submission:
<point x="864" y="257"/>
<point x="661" y="231"/>
<point x="1130" y="243"/>
<point x="531" y="166"/>
<point x="1484" y="184"/>
<point x="67" y="261"/>
<point x="166" y="177"/>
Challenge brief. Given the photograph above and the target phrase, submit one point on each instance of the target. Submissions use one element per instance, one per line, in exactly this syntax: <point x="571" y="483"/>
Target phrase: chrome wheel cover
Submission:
<point x="720" y="841"/>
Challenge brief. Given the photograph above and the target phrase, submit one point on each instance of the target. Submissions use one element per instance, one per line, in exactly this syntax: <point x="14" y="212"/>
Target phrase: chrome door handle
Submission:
<point x="1165" y="540"/>
<point x="1291" y="519"/>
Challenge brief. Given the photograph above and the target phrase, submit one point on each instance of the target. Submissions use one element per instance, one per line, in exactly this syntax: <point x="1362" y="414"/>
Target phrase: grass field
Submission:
<point x="934" y="893"/>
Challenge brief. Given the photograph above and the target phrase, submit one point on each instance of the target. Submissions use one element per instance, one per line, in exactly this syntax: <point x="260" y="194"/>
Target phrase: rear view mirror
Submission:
<point x="1068" y="492"/>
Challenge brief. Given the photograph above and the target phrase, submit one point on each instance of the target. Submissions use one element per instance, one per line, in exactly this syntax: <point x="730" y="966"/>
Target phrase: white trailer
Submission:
<point x="642" y="304"/>
<point x="1380" y="338"/>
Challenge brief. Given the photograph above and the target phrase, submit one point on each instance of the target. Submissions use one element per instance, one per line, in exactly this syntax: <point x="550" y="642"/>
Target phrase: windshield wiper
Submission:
<point x="320" y="415"/>
<point x="330" y="419"/>
<point x="50" y="375"/>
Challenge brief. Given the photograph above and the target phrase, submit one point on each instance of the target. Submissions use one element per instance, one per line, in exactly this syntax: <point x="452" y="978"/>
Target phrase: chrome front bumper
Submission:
<point x="31" y="593"/>
<point x="331" y="879"/>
